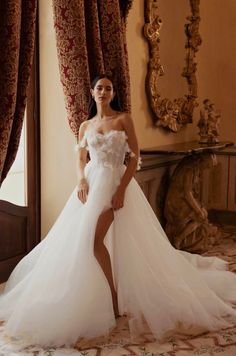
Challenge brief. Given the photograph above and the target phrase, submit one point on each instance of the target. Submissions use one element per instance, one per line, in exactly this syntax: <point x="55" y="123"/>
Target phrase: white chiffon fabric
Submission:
<point x="59" y="293"/>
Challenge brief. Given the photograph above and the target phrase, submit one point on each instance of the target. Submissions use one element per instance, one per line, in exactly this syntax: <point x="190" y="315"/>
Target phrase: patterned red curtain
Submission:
<point x="91" y="39"/>
<point x="17" y="32"/>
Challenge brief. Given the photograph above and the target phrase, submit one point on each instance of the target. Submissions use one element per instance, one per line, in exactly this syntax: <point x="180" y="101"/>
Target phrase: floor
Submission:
<point x="222" y="343"/>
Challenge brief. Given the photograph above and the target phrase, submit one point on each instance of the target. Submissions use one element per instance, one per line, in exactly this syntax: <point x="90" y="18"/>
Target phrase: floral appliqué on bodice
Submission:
<point x="108" y="149"/>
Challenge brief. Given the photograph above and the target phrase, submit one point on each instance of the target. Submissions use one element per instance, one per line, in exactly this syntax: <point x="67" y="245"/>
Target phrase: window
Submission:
<point x="14" y="187"/>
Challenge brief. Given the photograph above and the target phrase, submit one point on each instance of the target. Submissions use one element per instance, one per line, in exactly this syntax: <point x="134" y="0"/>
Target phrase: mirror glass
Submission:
<point x="172" y="47"/>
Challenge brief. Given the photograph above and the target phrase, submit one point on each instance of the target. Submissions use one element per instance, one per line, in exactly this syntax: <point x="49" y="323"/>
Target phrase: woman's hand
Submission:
<point x="82" y="190"/>
<point x="118" y="199"/>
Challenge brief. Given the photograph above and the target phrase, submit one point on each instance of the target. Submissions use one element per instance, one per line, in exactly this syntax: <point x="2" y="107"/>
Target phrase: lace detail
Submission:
<point x="107" y="149"/>
<point x="82" y="144"/>
<point x="133" y="155"/>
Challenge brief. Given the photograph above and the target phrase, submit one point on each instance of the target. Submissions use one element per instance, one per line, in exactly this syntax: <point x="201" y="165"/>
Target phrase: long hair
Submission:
<point x="115" y="104"/>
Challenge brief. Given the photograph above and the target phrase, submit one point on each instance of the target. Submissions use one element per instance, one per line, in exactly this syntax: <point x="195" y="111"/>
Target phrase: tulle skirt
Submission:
<point x="59" y="293"/>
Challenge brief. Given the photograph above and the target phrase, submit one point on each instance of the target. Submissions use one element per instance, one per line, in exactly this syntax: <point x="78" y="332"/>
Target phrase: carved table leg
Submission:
<point x="188" y="227"/>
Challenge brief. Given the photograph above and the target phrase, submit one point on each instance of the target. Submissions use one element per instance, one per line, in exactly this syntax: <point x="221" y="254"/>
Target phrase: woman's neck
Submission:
<point x="104" y="112"/>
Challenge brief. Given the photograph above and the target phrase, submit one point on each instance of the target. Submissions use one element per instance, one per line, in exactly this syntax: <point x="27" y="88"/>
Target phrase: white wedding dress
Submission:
<point x="59" y="293"/>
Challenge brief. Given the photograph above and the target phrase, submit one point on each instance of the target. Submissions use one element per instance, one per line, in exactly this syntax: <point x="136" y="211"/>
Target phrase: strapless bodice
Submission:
<point x="106" y="149"/>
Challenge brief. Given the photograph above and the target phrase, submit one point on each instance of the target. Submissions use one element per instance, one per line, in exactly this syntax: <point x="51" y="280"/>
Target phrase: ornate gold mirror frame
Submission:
<point x="171" y="115"/>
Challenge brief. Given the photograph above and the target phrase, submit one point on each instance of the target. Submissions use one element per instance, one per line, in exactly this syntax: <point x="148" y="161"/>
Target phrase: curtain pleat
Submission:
<point x="17" y="35"/>
<point x="91" y="39"/>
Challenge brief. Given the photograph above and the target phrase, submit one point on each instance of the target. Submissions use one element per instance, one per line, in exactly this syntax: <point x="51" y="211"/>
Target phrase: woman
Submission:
<point x="66" y="287"/>
<point x="105" y="120"/>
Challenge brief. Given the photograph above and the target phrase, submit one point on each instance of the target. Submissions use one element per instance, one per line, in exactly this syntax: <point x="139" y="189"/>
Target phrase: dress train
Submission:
<point x="58" y="292"/>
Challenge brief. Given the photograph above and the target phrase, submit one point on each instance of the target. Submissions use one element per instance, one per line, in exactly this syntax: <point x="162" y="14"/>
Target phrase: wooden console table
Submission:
<point x="187" y="148"/>
<point x="187" y="224"/>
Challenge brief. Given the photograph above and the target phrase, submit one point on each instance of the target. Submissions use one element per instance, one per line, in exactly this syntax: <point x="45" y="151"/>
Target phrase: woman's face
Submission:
<point x="103" y="92"/>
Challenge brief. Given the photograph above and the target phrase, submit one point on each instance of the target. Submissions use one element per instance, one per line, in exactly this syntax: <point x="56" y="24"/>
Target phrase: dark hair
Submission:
<point x="115" y="104"/>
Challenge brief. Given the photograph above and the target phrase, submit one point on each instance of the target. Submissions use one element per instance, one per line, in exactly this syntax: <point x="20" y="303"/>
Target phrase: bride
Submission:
<point x="107" y="255"/>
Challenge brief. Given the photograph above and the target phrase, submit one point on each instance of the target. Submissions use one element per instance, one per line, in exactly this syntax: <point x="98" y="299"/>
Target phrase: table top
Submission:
<point x="187" y="148"/>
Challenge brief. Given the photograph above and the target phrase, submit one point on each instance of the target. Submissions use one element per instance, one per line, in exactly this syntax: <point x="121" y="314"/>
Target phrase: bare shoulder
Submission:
<point x="125" y="119"/>
<point x="83" y="127"/>
<point x="128" y="126"/>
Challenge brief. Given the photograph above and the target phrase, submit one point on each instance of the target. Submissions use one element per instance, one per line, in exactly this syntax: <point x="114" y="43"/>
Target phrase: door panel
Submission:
<point x="13" y="246"/>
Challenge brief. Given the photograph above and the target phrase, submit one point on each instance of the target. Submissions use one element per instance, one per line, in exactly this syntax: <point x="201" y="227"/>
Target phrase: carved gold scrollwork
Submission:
<point x="169" y="114"/>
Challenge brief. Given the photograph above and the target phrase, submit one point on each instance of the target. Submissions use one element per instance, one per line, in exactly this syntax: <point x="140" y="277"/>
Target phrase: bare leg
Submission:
<point x="102" y="255"/>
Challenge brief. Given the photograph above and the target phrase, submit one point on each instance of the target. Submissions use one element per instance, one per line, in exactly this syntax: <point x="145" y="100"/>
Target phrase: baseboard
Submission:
<point x="222" y="217"/>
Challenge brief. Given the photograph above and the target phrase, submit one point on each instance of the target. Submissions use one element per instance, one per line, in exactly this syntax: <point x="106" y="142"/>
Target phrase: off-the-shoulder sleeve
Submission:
<point x="82" y="144"/>
<point x="133" y="155"/>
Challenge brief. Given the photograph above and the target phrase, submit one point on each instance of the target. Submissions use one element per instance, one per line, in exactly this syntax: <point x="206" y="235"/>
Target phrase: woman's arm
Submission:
<point x="118" y="197"/>
<point x="82" y="185"/>
<point x="134" y="154"/>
